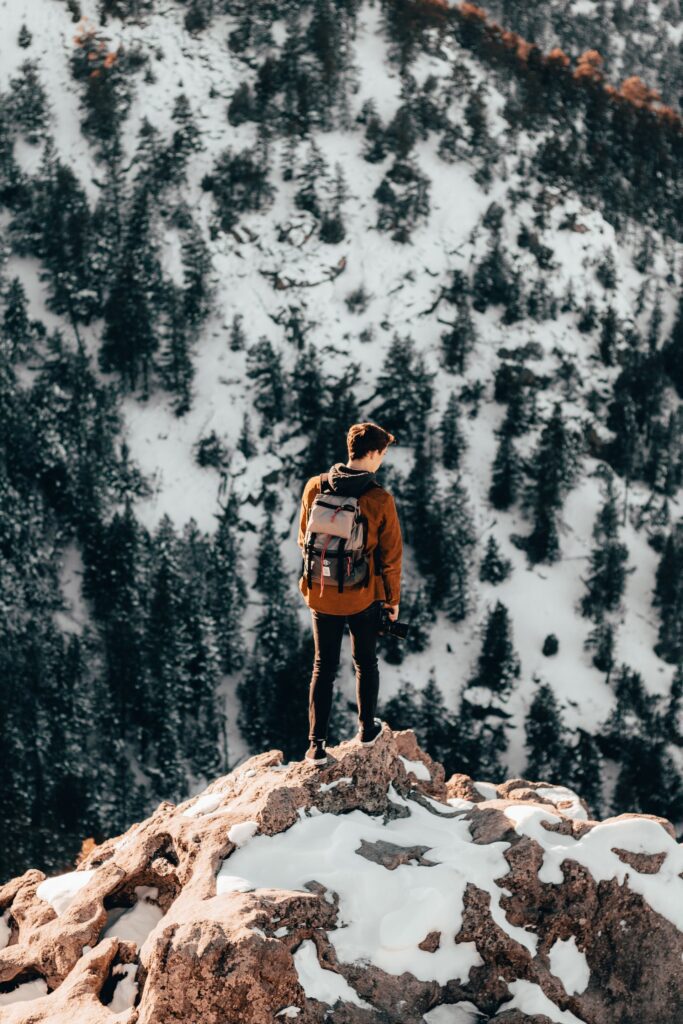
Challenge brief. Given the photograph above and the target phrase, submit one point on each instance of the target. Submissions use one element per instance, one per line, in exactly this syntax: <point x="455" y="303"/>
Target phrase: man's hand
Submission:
<point x="393" y="611"/>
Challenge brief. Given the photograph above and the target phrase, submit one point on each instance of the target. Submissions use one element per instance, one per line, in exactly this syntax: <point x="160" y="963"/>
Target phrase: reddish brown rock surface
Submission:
<point x="557" y="917"/>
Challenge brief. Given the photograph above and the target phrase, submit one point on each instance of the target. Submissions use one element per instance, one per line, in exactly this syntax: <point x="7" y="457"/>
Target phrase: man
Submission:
<point x="360" y="605"/>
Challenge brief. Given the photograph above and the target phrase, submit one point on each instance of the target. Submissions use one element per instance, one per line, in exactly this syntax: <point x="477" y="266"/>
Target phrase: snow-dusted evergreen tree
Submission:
<point x="453" y="442"/>
<point x="584" y="771"/>
<point x="16" y="332"/>
<point x="494" y="567"/>
<point x="228" y="587"/>
<point x="506" y="474"/>
<point x="668" y="597"/>
<point x="555" y="467"/>
<point x="402" y="710"/>
<point x="452" y="582"/>
<point x="406" y="389"/>
<point x="602" y="642"/>
<point x="606" y="577"/>
<point x="264" y="368"/>
<point x="545" y="743"/>
<point x="498" y="665"/>
<point x="433" y="725"/>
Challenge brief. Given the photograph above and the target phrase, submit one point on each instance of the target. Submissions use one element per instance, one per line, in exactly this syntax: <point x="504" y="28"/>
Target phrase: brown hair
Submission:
<point x="367" y="437"/>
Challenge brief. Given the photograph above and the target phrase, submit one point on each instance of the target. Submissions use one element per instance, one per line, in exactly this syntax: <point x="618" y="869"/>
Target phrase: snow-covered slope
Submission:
<point x="402" y="282"/>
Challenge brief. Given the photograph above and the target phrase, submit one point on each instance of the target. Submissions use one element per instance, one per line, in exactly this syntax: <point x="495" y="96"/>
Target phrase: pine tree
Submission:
<point x="432" y="725"/>
<point x="237" y="336"/>
<point x="421" y="617"/>
<point x="264" y="368"/>
<point x="668" y="598"/>
<point x="332" y="229"/>
<point x="312" y="176"/>
<point x="406" y="388"/>
<point x="672" y="353"/>
<point x="246" y="443"/>
<point x="664" y="468"/>
<point x="506" y="474"/>
<point x="673" y="718"/>
<point x="186" y="137"/>
<point x="267" y="566"/>
<point x="498" y="664"/>
<point x="403" y="198"/>
<point x="421" y="499"/>
<point x="555" y="467"/>
<point x="375" y="146"/>
<point x="494" y="568"/>
<point x="28" y="102"/>
<point x="130" y="336"/>
<point x="451" y="588"/>
<point x="175" y="362"/>
<point x="607" y="575"/>
<point x="609" y="336"/>
<point x="458" y="342"/>
<point x="16" y="332"/>
<point x="272" y="692"/>
<point x="584" y="771"/>
<point x="307" y="388"/>
<point x="199" y="292"/>
<point x="545" y="737"/>
<point x="601" y="641"/>
<point x="453" y="443"/>
<point x="606" y="271"/>
<point x="401" y="710"/>
<point x="227" y="587"/>
<point x="239" y="183"/>
<point x="168" y="685"/>
<point x="24" y="38"/>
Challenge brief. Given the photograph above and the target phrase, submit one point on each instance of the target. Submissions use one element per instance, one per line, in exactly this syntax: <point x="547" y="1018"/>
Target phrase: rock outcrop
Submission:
<point x="368" y="890"/>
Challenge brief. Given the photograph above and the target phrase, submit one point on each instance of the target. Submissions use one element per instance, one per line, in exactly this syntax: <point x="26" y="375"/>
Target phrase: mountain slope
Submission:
<point x="460" y="218"/>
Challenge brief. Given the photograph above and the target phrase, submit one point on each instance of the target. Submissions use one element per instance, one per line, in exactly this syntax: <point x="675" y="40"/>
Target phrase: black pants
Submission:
<point x="327" y="637"/>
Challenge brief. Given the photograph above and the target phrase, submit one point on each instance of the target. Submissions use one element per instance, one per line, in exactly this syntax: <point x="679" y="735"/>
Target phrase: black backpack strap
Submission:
<point x="325" y="483"/>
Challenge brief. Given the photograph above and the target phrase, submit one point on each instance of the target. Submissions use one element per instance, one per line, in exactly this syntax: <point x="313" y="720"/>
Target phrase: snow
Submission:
<point x="126" y="989"/>
<point x="61" y="890"/>
<point x="289" y="1011"/>
<point x="402" y="281"/>
<point x="23" y="993"/>
<point x="487" y="789"/>
<point x="207" y="802"/>
<point x="566" y="800"/>
<point x="320" y="983"/>
<point x="5" y="929"/>
<point x="242" y="832"/>
<point x="135" y="923"/>
<point x="531" y="999"/>
<point x="384" y="915"/>
<point x="325" y="786"/>
<point x="569" y="964"/>
<point x="418" y="768"/>
<point x="226" y="882"/>
<point x="453" y="1013"/>
<point x="663" y="891"/>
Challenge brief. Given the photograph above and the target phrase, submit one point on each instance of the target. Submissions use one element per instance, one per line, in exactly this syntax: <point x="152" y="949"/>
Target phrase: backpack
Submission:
<point x="334" y="543"/>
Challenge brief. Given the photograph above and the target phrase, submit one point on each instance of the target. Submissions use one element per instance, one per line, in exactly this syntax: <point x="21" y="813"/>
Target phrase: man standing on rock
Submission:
<point x="350" y="539"/>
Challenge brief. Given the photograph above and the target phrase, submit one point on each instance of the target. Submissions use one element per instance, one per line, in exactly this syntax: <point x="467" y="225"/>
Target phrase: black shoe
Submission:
<point x="368" y="736"/>
<point x="316" y="752"/>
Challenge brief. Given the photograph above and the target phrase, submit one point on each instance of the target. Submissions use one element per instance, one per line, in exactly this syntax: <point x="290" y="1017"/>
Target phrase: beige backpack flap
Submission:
<point x="334" y="514"/>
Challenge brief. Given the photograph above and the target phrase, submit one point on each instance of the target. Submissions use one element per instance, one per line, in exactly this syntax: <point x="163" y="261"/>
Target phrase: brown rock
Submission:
<point x="225" y="956"/>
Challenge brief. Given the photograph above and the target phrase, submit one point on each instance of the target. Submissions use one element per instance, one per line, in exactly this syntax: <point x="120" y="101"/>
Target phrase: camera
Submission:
<point x="387" y="627"/>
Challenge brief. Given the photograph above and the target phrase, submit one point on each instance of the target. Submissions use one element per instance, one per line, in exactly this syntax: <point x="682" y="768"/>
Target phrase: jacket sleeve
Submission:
<point x="390" y="544"/>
